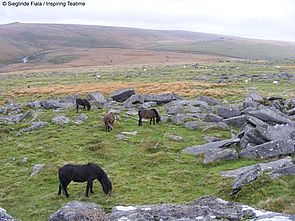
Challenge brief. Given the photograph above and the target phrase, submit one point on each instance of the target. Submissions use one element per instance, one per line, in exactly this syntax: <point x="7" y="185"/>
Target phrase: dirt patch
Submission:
<point x="181" y="88"/>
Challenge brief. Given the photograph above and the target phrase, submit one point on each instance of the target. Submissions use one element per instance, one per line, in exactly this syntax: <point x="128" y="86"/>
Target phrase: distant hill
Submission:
<point x="54" y="44"/>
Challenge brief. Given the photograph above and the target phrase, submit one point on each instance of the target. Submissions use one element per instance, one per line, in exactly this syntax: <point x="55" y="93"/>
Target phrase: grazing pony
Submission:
<point x="150" y="114"/>
<point x="109" y="120"/>
<point x="83" y="173"/>
<point x="82" y="102"/>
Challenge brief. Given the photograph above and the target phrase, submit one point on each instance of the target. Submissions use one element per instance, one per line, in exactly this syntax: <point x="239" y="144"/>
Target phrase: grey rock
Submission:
<point x="132" y="112"/>
<point x="36" y="169"/>
<point x="175" y="138"/>
<point x="226" y="154"/>
<point x="34" y="126"/>
<point x="246" y="178"/>
<point x="164" y="118"/>
<point x="24" y="160"/>
<point x="82" y="211"/>
<point x="209" y="100"/>
<point x="97" y="98"/>
<point x="173" y="109"/>
<point x="179" y="119"/>
<point x="219" y="125"/>
<point x="12" y="119"/>
<point x="149" y="104"/>
<point x="271" y="116"/>
<point x="80" y="119"/>
<point x="194" y="125"/>
<point x="213" y="118"/>
<point x="133" y="99"/>
<point x="122" y="94"/>
<point x="121" y="137"/>
<point x="284" y="171"/>
<point x="238" y="121"/>
<point x="133" y="133"/>
<point x="56" y="104"/>
<point x="204" y="148"/>
<point x="160" y="98"/>
<point x="270" y="166"/>
<point x="227" y="112"/>
<point x="192" y="109"/>
<point x="34" y="104"/>
<point x="4" y="216"/>
<point x="61" y="119"/>
<point x="254" y="96"/>
<point x="210" y="139"/>
<point x="269" y="149"/>
<point x="205" y="208"/>
<point x="291" y="112"/>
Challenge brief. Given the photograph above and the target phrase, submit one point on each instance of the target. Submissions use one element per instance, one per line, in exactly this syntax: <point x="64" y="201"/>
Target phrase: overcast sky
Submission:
<point x="263" y="19"/>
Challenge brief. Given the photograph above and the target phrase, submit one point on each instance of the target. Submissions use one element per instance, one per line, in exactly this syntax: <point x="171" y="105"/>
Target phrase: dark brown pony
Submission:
<point x="109" y="120"/>
<point x="83" y="102"/>
<point x="149" y="114"/>
<point x="83" y="173"/>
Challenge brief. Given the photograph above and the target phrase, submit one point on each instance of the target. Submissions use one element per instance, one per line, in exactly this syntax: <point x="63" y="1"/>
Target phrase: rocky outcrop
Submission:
<point x="205" y="148"/>
<point x="223" y="154"/>
<point x="269" y="167"/>
<point x="34" y="126"/>
<point x="82" y="211"/>
<point x="61" y="119"/>
<point x="4" y="216"/>
<point x="80" y="119"/>
<point x="269" y="149"/>
<point x="205" y="208"/>
<point x="97" y="97"/>
<point x="122" y="94"/>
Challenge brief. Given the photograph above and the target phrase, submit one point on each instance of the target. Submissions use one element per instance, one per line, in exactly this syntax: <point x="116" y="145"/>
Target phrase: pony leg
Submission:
<point x="140" y="122"/>
<point x="91" y="187"/>
<point x="64" y="188"/>
<point x="151" y="120"/>
<point x="84" y="107"/>
<point x="87" y="188"/>
<point x="59" y="190"/>
<point x="154" y="120"/>
<point x="77" y="107"/>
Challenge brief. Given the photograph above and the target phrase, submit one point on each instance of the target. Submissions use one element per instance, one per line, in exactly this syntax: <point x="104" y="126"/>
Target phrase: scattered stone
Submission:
<point x="12" y="119"/>
<point x="34" y="126"/>
<point x="24" y="160"/>
<point x="61" y="120"/>
<point x="284" y="171"/>
<point x="34" y="104"/>
<point x="82" y="211"/>
<point x="164" y="118"/>
<point x="175" y="138"/>
<point x="132" y="113"/>
<point x="36" y="169"/>
<point x="121" y="137"/>
<point x="80" y="119"/>
<point x="129" y="133"/>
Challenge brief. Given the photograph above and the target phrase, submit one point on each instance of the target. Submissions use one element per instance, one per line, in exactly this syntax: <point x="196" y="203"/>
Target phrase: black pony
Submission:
<point x="82" y="102"/>
<point x="83" y="173"/>
<point x="150" y="114"/>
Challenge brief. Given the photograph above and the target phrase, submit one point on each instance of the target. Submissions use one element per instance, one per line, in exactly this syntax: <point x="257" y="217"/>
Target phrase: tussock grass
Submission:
<point x="146" y="168"/>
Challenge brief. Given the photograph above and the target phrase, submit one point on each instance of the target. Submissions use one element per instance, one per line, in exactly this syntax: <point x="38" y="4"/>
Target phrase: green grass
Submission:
<point x="145" y="169"/>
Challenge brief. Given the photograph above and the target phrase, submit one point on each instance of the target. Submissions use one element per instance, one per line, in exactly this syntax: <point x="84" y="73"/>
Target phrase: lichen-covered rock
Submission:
<point x="79" y="211"/>
<point x="61" y="119"/>
<point x="223" y="154"/>
<point x="205" y="208"/>
<point x="122" y="94"/>
<point x="97" y="98"/>
<point x="34" y="126"/>
<point x="4" y="216"/>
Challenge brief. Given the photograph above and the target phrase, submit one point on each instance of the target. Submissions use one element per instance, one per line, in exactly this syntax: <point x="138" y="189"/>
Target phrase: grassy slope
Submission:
<point x="147" y="168"/>
<point x="20" y="40"/>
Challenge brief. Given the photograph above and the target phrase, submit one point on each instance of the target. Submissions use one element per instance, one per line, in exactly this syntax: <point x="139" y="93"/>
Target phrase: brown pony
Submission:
<point x="149" y="114"/>
<point x="109" y="120"/>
